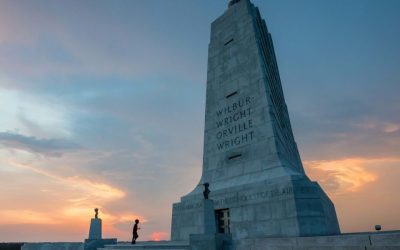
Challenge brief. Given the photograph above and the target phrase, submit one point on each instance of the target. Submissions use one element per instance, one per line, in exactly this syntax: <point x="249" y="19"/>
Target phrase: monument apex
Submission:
<point x="250" y="159"/>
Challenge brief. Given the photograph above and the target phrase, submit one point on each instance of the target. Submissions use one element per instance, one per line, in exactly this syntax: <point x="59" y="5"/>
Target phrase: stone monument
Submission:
<point x="251" y="161"/>
<point x="95" y="226"/>
<point x="95" y="239"/>
<point x="253" y="192"/>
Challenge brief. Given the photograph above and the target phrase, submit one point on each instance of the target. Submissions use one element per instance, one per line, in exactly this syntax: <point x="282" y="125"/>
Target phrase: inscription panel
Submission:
<point x="234" y="124"/>
<point x="178" y="207"/>
<point x="245" y="198"/>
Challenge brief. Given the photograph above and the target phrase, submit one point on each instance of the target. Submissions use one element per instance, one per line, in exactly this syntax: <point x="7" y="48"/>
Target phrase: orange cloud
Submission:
<point x="96" y="189"/>
<point x="60" y="197"/>
<point x="387" y="127"/>
<point x="345" y="175"/>
<point x="81" y="195"/>
<point x="390" y="127"/>
<point x="90" y="189"/>
<point x="26" y="216"/>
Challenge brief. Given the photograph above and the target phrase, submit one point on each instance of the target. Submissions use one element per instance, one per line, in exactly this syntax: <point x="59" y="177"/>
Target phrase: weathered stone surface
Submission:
<point x="386" y="239"/>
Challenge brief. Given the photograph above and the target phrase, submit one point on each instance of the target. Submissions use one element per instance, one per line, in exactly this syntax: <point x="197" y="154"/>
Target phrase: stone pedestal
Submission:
<point x="95" y="240"/>
<point x="199" y="216"/>
<point x="209" y="238"/>
<point x="210" y="226"/>
<point x="95" y="229"/>
<point x="94" y="244"/>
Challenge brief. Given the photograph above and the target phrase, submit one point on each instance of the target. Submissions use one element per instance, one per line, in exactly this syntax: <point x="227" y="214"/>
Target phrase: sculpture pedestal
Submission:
<point x="210" y="226"/>
<point x="95" y="229"/>
<point x="94" y="244"/>
<point x="95" y="240"/>
<point x="209" y="238"/>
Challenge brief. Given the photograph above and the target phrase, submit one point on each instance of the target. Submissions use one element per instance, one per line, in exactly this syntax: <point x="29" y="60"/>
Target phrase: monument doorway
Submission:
<point x="222" y="218"/>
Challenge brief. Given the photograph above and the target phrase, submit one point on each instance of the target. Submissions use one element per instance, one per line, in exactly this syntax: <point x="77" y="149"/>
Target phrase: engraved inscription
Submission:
<point x="234" y="124"/>
<point x="179" y="207"/>
<point x="261" y="195"/>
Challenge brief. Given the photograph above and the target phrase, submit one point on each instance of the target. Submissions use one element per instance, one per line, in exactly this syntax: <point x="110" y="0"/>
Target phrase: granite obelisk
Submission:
<point x="251" y="161"/>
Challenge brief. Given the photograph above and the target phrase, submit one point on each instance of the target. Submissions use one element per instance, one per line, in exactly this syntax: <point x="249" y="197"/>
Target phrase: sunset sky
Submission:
<point x="102" y="105"/>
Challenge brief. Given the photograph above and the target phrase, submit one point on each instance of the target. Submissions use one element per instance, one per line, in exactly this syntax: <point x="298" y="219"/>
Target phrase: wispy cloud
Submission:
<point x="346" y="175"/>
<point x="80" y="196"/>
<point x="88" y="190"/>
<point x="387" y="127"/>
<point x="48" y="147"/>
<point x="27" y="216"/>
<point x="32" y="114"/>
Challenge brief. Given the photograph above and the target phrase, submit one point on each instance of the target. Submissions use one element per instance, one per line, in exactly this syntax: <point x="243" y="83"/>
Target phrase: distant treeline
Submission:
<point x="11" y="246"/>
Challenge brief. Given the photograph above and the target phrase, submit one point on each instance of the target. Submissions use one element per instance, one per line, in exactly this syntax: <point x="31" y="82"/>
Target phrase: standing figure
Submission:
<point x="96" y="215"/>
<point x="134" y="232"/>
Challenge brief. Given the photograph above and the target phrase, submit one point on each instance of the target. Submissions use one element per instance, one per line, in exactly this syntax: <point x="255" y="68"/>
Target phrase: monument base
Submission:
<point x="151" y="245"/>
<point x="287" y="206"/>
<point x="210" y="241"/>
<point x="357" y="241"/>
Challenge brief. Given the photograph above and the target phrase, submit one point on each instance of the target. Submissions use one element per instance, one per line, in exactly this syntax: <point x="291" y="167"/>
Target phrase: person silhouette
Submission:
<point x="134" y="232"/>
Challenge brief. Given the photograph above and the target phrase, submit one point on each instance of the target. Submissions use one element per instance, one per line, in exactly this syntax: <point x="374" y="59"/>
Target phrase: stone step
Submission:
<point x="324" y="248"/>
<point x="150" y="245"/>
<point x="389" y="240"/>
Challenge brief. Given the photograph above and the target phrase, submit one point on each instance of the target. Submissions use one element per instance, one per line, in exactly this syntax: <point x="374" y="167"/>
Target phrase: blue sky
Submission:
<point x="102" y="105"/>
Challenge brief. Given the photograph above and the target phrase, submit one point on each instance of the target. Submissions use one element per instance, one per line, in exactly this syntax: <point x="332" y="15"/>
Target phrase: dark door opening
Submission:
<point x="222" y="218"/>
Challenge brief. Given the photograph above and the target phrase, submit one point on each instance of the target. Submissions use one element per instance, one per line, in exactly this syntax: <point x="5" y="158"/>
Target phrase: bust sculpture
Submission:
<point x="206" y="191"/>
<point x="232" y="2"/>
